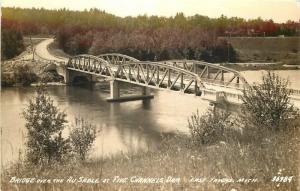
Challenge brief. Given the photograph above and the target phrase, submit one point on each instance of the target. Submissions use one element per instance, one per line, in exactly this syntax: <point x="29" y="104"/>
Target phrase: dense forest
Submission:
<point x="11" y="43"/>
<point x="144" y="37"/>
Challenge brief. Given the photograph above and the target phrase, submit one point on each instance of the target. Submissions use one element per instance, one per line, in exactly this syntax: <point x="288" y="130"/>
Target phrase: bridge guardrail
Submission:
<point x="295" y="92"/>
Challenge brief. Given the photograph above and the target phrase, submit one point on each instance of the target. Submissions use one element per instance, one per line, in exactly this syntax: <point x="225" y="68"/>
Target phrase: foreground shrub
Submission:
<point x="208" y="127"/>
<point x="268" y="105"/>
<point x="44" y="123"/>
<point x="82" y="137"/>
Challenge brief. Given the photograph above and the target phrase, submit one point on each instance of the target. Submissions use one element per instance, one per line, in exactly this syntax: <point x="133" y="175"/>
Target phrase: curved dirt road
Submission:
<point x="41" y="51"/>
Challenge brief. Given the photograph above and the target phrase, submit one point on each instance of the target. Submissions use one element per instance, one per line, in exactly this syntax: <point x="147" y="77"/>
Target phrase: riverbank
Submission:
<point x="244" y="161"/>
<point x="260" y="66"/>
<point x="26" y="72"/>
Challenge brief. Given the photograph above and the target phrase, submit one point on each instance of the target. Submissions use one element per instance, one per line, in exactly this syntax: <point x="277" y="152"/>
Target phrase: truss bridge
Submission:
<point x="209" y="81"/>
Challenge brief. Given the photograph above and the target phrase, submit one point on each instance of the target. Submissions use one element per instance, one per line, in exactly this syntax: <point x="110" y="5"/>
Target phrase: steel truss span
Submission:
<point x="211" y="73"/>
<point x="187" y="76"/>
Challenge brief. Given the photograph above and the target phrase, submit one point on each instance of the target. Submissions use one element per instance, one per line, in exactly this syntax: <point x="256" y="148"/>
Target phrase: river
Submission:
<point x="123" y="127"/>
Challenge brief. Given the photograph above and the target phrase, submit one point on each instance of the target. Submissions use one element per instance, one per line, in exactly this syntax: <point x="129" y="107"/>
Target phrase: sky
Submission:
<point x="278" y="10"/>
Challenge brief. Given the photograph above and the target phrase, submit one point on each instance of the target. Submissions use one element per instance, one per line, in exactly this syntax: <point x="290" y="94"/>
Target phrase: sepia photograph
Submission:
<point x="134" y="95"/>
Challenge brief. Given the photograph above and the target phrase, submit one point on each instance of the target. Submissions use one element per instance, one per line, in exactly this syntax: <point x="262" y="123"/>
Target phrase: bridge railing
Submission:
<point x="294" y="92"/>
<point x="220" y="96"/>
<point x="210" y="95"/>
<point x="233" y="97"/>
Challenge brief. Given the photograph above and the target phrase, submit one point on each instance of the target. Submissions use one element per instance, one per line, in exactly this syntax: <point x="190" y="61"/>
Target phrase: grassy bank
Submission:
<point x="245" y="67"/>
<point x="251" y="154"/>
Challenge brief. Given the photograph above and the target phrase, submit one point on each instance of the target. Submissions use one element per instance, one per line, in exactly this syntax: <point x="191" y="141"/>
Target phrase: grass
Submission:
<point x="265" y="67"/>
<point x="249" y="154"/>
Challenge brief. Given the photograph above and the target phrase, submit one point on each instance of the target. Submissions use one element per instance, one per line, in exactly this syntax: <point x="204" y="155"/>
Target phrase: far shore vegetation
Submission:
<point x="253" y="146"/>
<point x="144" y="37"/>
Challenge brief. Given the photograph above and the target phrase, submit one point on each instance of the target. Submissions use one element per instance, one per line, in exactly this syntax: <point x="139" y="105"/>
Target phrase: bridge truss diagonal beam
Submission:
<point x="211" y="73"/>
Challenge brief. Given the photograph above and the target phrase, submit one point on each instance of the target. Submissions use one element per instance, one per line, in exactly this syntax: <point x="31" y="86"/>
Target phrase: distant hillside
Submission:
<point x="276" y="49"/>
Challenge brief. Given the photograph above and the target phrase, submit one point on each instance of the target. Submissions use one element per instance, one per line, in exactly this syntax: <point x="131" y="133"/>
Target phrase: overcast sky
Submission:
<point x="278" y="10"/>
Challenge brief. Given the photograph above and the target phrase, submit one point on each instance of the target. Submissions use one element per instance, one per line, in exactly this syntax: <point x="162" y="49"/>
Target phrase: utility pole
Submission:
<point x="32" y="48"/>
<point x="228" y="48"/>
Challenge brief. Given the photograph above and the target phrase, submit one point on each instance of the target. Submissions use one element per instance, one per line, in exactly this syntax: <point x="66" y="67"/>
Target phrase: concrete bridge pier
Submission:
<point x="115" y="95"/>
<point x="225" y="106"/>
<point x="67" y="77"/>
<point x="146" y="91"/>
<point x="114" y="90"/>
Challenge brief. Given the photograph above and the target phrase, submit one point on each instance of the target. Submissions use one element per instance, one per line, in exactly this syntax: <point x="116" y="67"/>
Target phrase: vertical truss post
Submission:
<point x="181" y="82"/>
<point x="196" y="87"/>
<point x="147" y="77"/>
<point x="138" y="73"/>
<point x="222" y="75"/>
<point x="157" y="75"/>
<point x="169" y="78"/>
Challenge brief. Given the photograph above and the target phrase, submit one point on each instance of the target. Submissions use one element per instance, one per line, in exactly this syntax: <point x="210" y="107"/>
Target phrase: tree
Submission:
<point x="267" y="105"/>
<point x="44" y="123"/>
<point x="82" y="137"/>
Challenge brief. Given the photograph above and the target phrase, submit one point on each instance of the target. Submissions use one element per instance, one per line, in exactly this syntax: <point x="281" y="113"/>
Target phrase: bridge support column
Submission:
<point x="114" y="90"/>
<point x="115" y="93"/>
<point x="146" y="91"/>
<point x="67" y="76"/>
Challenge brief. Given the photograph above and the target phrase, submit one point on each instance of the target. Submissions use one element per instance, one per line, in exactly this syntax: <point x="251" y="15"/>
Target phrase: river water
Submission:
<point x="123" y="127"/>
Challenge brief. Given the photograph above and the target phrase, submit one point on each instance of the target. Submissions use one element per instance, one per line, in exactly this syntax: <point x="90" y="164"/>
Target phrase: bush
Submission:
<point x="267" y="105"/>
<point x="209" y="127"/>
<point x="7" y="79"/>
<point x="21" y="75"/>
<point x="82" y="137"/>
<point x="44" y="123"/>
<point x="24" y="75"/>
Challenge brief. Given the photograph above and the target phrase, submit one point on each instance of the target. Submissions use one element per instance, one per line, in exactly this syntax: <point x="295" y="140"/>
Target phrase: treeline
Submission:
<point x="36" y="21"/>
<point x="11" y="41"/>
<point x="146" y="43"/>
<point x="143" y="37"/>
